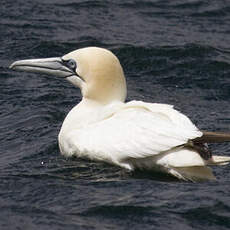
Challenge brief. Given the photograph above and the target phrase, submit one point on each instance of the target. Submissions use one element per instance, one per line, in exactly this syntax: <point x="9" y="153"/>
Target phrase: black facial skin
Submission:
<point x="71" y="64"/>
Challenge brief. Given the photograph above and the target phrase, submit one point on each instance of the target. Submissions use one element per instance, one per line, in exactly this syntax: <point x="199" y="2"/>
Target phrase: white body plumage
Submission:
<point x="131" y="135"/>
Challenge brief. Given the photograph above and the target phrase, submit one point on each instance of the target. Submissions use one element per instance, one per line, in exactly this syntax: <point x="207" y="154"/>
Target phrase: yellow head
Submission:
<point x="101" y="72"/>
<point x="96" y="71"/>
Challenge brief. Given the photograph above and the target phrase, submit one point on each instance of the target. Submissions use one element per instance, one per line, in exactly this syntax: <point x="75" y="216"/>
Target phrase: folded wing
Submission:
<point x="135" y="130"/>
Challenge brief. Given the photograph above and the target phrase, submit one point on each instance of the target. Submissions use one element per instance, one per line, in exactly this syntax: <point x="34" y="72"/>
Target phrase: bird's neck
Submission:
<point x="88" y="112"/>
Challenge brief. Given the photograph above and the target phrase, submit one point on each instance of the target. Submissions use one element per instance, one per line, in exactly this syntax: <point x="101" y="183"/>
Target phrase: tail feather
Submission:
<point x="199" y="173"/>
<point x="219" y="160"/>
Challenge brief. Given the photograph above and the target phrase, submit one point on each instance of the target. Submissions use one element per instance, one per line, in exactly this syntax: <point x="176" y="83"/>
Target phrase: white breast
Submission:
<point x="125" y="134"/>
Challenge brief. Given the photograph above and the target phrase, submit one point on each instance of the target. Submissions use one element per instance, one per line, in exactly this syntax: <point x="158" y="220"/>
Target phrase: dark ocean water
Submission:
<point x="175" y="52"/>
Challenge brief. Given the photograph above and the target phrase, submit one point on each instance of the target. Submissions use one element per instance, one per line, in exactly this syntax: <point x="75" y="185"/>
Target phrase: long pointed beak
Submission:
<point x="50" y="66"/>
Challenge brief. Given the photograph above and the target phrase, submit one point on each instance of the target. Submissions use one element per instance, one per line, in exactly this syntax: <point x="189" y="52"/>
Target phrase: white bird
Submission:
<point x="132" y="135"/>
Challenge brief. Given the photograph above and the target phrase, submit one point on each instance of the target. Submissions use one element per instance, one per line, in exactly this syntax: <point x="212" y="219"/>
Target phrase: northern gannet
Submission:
<point x="132" y="135"/>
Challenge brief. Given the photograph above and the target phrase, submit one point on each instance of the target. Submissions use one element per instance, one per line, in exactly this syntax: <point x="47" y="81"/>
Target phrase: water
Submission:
<point x="174" y="52"/>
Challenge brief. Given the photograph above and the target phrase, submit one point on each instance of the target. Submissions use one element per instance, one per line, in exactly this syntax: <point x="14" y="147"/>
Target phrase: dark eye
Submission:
<point x="71" y="64"/>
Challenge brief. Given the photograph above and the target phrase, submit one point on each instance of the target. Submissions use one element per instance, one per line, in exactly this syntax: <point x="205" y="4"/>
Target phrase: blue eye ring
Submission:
<point x="71" y="64"/>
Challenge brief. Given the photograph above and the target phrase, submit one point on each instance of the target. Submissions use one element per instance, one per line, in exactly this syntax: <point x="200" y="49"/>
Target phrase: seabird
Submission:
<point x="132" y="135"/>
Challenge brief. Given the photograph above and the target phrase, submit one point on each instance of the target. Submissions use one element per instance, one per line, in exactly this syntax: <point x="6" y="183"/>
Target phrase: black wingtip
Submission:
<point x="213" y="137"/>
